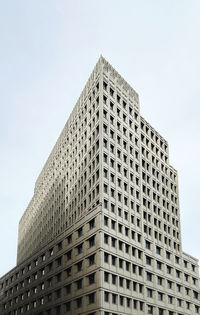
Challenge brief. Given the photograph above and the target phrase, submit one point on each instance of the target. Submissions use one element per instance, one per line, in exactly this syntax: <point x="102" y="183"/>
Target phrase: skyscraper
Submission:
<point x="102" y="234"/>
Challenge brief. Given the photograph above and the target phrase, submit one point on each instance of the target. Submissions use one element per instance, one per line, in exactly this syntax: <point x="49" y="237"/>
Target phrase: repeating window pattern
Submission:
<point x="55" y="268"/>
<point x="69" y="183"/>
<point x="108" y="162"/>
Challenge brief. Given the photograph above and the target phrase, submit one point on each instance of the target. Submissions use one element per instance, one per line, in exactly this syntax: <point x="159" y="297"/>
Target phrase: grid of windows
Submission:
<point x="105" y="210"/>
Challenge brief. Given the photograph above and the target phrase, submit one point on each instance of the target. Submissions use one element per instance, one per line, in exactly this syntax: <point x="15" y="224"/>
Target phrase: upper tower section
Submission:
<point x="59" y="187"/>
<point x="65" y="188"/>
<point x="124" y="90"/>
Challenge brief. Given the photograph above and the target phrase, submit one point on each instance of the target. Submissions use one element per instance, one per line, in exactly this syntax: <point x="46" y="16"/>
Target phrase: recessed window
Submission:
<point x="148" y="244"/>
<point x="80" y="231"/>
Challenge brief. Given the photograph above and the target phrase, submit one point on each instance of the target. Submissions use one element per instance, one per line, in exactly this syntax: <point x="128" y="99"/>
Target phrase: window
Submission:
<point x="58" y="277"/>
<point x="121" y="280"/>
<point x="69" y="254"/>
<point x="149" y="276"/>
<point x="69" y="239"/>
<point x="79" y="302"/>
<point x="159" y="265"/>
<point x="106" y="237"/>
<point x="160" y="296"/>
<point x="179" y="302"/>
<point x="121" y="300"/>
<point x="91" y="241"/>
<point x="113" y="225"/>
<point x="106" y="276"/>
<point x="187" y="290"/>
<point x="68" y="306"/>
<point x="49" y="297"/>
<point x="58" y="293"/>
<point x="112" y="207"/>
<point x="68" y="271"/>
<point x="177" y="273"/>
<point x="120" y="245"/>
<point x="91" y="259"/>
<point x="114" y="298"/>
<point x="149" y="293"/>
<point x="91" y="278"/>
<point x="105" y="204"/>
<point x="195" y="295"/>
<point x="79" y="284"/>
<point x="113" y="241"/>
<point x="79" y="266"/>
<point x="59" y="261"/>
<point x="120" y="228"/>
<point x="91" y="298"/>
<point x="104" y="99"/>
<point x="112" y="192"/>
<point x="176" y="259"/>
<point x="91" y="224"/>
<point x="106" y="255"/>
<point x="105" y="221"/>
<point x="35" y="276"/>
<point x="114" y="279"/>
<point x="168" y="255"/>
<point x="140" y="271"/>
<point x="148" y="260"/>
<point x="159" y="280"/>
<point x="148" y="244"/>
<point x="68" y="289"/>
<point x="187" y="305"/>
<point x="106" y="296"/>
<point x="185" y="277"/>
<point x="80" y="248"/>
<point x="105" y="85"/>
<point x="111" y="92"/>
<point x="80" y="231"/>
<point x="113" y="260"/>
<point x="127" y="266"/>
<point x="169" y="269"/>
<point x="169" y="284"/>
<point x="196" y="309"/>
<point x="149" y="309"/>
<point x="158" y="250"/>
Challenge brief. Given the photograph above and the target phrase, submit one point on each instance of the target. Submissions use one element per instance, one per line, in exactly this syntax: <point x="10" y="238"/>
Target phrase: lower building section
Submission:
<point x="61" y="278"/>
<point x="102" y="265"/>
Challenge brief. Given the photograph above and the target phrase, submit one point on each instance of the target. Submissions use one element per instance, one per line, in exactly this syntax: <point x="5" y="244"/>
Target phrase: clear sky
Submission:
<point x="47" y="52"/>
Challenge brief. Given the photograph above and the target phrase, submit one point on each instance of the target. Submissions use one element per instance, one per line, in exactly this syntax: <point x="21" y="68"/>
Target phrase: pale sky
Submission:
<point x="47" y="52"/>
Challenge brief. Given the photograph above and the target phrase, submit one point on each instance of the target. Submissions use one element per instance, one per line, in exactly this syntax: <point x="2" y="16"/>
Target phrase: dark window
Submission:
<point x="69" y="254"/>
<point x="91" y="241"/>
<point x="91" y="278"/>
<point x="79" y="302"/>
<point x="91" y="259"/>
<point x="79" y="284"/>
<point x="91" y="298"/>
<point x="80" y="232"/>
<point x="79" y="266"/>
<point x="68" y="306"/>
<point x="92" y="223"/>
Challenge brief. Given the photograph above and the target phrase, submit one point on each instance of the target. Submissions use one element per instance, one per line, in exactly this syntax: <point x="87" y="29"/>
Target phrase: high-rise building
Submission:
<point x="101" y="235"/>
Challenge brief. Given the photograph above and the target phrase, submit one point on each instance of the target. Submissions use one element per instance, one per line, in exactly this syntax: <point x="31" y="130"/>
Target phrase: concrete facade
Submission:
<point x="102" y="233"/>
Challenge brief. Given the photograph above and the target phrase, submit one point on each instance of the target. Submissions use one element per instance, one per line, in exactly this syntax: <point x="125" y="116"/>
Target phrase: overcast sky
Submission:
<point x="47" y="52"/>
